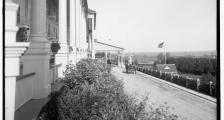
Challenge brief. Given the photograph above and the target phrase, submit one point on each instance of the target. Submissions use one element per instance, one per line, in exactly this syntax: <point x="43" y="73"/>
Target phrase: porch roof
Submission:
<point x="100" y="46"/>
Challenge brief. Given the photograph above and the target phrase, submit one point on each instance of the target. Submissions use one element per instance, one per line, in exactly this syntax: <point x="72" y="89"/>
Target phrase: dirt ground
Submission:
<point x="185" y="104"/>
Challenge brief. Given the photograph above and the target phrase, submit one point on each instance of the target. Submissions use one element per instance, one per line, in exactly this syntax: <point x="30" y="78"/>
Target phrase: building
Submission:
<point x="167" y="68"/>
<point x="108" y="51"/>
<point x="31" y="27"/>
<point x="28" y="52"/>
<point x="91" y="32"/>
<point x="98" y="49"/>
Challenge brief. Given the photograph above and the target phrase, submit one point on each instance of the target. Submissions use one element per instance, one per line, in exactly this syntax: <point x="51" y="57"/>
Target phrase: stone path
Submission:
<point x="186" y="104"/>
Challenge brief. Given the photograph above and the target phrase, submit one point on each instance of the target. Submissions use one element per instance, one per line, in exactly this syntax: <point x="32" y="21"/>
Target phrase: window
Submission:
<point x="23" y="15"/>
<point x="18" y="16"/>
<point x="49" y="31"/>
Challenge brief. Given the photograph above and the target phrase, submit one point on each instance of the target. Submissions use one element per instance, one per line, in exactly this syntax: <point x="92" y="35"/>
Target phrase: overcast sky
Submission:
<point x="140" y="25"/>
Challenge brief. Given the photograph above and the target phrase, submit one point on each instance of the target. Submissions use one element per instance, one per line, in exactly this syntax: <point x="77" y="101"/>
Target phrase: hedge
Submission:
<point x="168" y="77"/>
<point x="183" y="81"/>
<point x="91" y="92"/>
<point x="204" y="87"/>
<point x="192" y="84"/>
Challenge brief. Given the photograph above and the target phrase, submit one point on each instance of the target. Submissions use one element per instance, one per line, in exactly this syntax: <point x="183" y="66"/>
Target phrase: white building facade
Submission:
<point x="31" y="64"/>
<point x="91" y="33"/>
<point x="31" y="27"/>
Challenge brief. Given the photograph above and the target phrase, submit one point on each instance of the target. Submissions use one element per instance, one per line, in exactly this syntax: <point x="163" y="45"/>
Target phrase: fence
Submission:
<point x="206" y="87"/>
<point x="54" y="73"/>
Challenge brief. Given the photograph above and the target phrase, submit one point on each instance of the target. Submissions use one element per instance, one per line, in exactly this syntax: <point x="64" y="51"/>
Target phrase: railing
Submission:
<point x="206" y="87"/>
<point x="54" y="72"/>
<point x="24" y="89"/>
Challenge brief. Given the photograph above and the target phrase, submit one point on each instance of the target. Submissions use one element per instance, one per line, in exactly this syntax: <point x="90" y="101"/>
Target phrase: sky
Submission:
<point x="140" y="25"/>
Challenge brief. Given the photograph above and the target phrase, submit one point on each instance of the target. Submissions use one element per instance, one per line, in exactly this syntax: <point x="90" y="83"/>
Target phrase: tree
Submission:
<point x="208" y="77"/>
<point x="161" y="58"/>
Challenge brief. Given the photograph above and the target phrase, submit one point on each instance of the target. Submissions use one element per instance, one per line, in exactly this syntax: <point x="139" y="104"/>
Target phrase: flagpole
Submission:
<point x="165" y="53"/>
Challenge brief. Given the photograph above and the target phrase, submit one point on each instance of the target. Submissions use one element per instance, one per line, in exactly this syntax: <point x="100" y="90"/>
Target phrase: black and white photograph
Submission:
<point x="111" y="59"/>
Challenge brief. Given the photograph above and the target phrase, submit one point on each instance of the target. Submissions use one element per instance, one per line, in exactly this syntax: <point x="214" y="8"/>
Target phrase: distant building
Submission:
<point x="167" y="68"/>
<point x="107" y="50"/>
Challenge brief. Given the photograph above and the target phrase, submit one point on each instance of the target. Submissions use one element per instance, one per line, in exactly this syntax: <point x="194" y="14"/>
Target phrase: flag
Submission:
<point x="160" y="45"/>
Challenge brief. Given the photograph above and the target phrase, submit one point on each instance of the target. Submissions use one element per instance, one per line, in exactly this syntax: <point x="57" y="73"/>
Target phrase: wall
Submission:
<point x="81" y="40"/>
<point x="24" y="90"/>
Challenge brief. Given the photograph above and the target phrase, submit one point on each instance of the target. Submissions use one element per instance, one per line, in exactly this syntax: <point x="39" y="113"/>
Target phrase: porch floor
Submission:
<point x="31" y="109"/>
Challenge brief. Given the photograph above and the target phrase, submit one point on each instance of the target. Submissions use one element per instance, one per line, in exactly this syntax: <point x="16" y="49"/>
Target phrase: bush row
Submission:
<point x="204" y="86"/>
<point x="91" y="92"/>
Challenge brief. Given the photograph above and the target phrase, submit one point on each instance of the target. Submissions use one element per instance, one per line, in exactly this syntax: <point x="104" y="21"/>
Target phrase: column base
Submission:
<point x="40" y="64"/>
<point x="10" y="85"/>
<point x="72" y="58"/>
<point x="61" y="58"/>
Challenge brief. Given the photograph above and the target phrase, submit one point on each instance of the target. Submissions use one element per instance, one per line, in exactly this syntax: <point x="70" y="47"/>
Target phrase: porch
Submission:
<point x="110" y="53"/>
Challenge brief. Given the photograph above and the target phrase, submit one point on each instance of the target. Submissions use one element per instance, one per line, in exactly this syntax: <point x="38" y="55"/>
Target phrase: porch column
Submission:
<point x="106" y="56"/>
<point x="77" y="29"/>
<point x="37" y="57"/>
<point x="93" y="49"/>
<point x="13" y="51"/>
<point x="72" y="30"/>
<point x="93" y="38"/>
<point x="118" y="60"/>
<point x="62" y="55"/>
<point x="122" y="59"/>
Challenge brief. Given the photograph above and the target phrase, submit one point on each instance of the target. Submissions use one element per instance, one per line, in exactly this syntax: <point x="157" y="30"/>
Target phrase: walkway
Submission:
<point x="186" y="104"/>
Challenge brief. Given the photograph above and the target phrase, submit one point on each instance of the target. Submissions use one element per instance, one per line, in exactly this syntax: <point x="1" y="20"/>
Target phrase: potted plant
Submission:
<point x="55" y="47"/>
<point x="22" y="34"/>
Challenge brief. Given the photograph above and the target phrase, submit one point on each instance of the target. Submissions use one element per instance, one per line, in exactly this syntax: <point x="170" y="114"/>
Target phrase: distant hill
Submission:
<point x="150" y="57"/>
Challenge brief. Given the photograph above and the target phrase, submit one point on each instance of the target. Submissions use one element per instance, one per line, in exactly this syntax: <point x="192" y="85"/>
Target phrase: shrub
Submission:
<point x="155" y="73"/>
<point x="87" y="71"/>
<point x="55" y="47"/>
<point x="163" y="76"/>
<point x="204" y="87"/>
<point x="149" y="72"/>
<point x="208" y="77"/>
<point x="192" y="84"/>
<point x="92" y="93"/>
<point x="181" y="81"/>
<point x="214" y="90"/>
<point x="50" y="110"/>
<point x="175" y="79"/>
<point x="144" y="70"/>
<point x="168" y="77"/>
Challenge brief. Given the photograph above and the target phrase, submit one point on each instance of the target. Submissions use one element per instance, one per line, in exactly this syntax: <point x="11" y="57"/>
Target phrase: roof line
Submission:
<point x="165" y="64"/>
<point x="91" y="11"/>
<point x="110" y="45"/>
